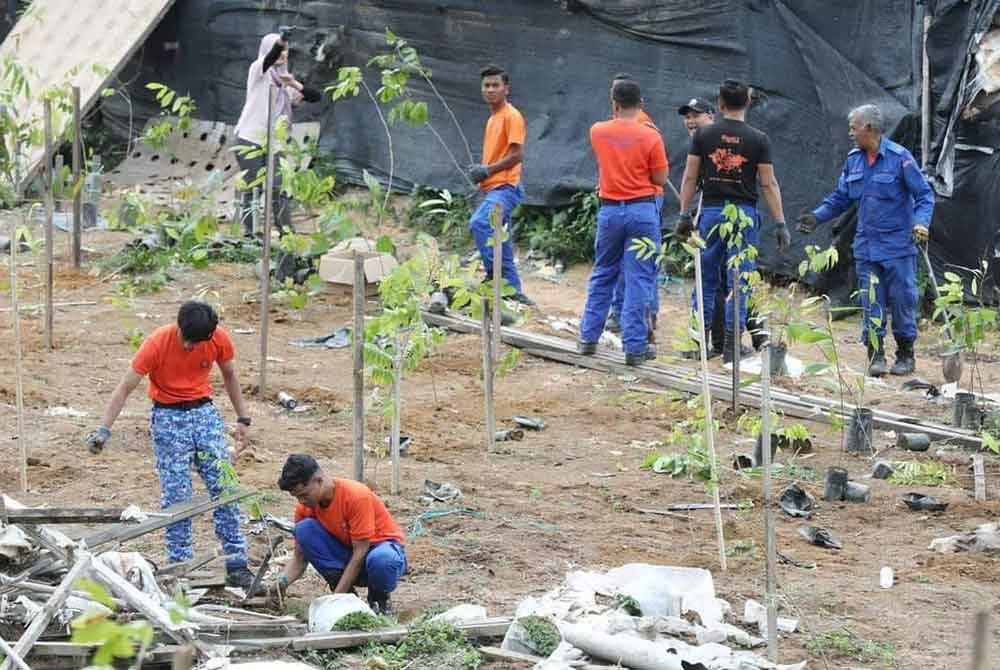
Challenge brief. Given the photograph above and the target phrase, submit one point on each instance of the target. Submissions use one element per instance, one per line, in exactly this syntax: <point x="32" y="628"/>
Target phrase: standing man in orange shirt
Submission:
<point x="186" y="428"/>
<point x="344" y="531"/>
<point x="631" y="164"/>
<point x="499" y="175"/>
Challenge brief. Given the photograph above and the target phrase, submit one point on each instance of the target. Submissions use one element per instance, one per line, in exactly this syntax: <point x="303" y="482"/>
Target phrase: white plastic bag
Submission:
<point x="326" y="611"/>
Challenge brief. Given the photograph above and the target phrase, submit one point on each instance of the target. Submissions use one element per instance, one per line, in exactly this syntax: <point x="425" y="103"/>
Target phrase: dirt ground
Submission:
<point x="563" y="498"/>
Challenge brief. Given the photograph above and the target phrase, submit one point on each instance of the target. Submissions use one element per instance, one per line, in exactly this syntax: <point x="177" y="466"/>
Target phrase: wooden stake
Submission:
<point x="41" y="620"/>
<point x="265" y="274"/>
<point x="925" y="97"/>
<point x="359" y="367"/>
<point x="22" y="436"/>
<point x="491" y="425"/>
<point x="706" y="394"/>
<point x="981" y="642"/>
<point x="496" y="219"/>
<point x="77" y="174"/>
<point x="397" y="373"/>
<point x="737" y="340"/>
<point x="49" y="236"/>
<point x="979" y="475"/>
<point x="770" y="551"/>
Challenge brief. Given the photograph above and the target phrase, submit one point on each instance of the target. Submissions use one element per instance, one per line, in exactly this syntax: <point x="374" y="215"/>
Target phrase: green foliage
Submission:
<point x="785" y="471"/>
<point x="134" y="338"/>
<point x="844" y="643"/>
<point x="295" y="296"/>
<point x="173" y="104"/>
<point x="818" y="260"/>
<point x="442" y="215"/>
<point x="144" y="285"/>
<point x="916" y="473"/>
<point x="543" y="634"/>
<point x="627" y="603"/>
<point x="565" y="233"/>
<point x="427" y="646"/>
<point x="98" y="627"/>
<point x="364" y="621"/>
<point x="508" y="363"/>
<point x="966" y="326"/>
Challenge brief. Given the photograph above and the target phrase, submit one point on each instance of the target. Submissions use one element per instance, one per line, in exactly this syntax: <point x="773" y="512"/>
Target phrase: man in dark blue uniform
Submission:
<point x="895" y="206"/>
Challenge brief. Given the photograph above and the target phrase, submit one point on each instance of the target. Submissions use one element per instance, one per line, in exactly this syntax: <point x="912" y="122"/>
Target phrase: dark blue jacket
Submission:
<point x="892" y="197"/>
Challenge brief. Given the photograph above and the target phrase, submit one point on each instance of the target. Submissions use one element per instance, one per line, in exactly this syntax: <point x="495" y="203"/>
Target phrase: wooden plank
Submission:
<point x="13" y="656"/>
<point x="506" y="655"/>
<point x="980" y="476"/>
<point x="662" y="512"/>
<point x="73" y="650"/>
<point x="65" y="515"/>
<point x="43" y="540"/>
<point x="176" y="513"/>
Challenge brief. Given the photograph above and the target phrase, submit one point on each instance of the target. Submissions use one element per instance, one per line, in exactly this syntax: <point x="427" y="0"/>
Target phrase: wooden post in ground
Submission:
<point x="397" y="409"/>
<point x="496" y="219"/>
<point x="22" y="437"/>
<point x="265" y="273"/>
<point x="979" y="477"/>
<point x="981" y="642"/>
<point x="359" y="367"/>
<point x="737" y="339"/>
<point x="925" y="96"/>
<point x="488" y="335"/>
<point x="77" y="178"/>
<point x="49" y="236"/>
<point x="770" y="601"/>
<point x="706" y="394"/>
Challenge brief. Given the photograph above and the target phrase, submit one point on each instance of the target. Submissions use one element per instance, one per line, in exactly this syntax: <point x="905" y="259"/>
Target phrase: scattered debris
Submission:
<point x="529" y="423"/>
<point x="287" y="401"/>
<point x="820" y="537"/>
<point x="986" y="538"/>
<point x="66" y="411"/>
<point x="882" y="470"/>
<point x="920" y="502"/>
<point x="796" y="502"/>
<point x="742" y="461"/>
<point x="404" y="444"/>
<point x="920" y="385"/>
<point x="754" y="613"/>
<point x="417" y="528"/>
<point x="444" y="492"/>
<point x="788" y="560"/>
<point x="886" y="578"/>
<point x="509" y="435"/>
<point x="857" y="493"/>
<point x="338" y="339"/>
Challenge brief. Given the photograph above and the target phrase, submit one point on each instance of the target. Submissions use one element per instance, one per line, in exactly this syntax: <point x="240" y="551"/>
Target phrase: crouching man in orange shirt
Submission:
<point x="344" y="531"/>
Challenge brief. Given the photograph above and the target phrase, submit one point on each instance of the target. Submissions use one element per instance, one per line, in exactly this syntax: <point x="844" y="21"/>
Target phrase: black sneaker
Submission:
<point x="523" y="299"/>
<point x="586" y="348"/>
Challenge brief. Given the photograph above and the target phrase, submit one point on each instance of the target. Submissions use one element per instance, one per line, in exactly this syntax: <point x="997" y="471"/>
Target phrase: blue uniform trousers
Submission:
<point x="508" y="197"/>
<point x="195" y="438"/>
<point x="618" y="297"/>
<point x="618" y="226"/>
<point x="896" y="287"/>
<point x="716" y="272"/>
<point x="383" y="567"/>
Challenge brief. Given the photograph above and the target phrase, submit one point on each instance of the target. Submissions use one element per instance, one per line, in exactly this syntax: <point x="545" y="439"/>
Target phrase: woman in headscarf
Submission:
<point x="270" y="70"/>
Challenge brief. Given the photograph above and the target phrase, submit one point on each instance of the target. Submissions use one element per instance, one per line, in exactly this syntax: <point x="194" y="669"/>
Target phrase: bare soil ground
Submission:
<point x="562" y="498"/>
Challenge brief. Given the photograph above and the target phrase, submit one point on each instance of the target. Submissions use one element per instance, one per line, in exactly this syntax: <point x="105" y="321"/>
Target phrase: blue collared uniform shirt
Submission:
<point x="892" y="197"/>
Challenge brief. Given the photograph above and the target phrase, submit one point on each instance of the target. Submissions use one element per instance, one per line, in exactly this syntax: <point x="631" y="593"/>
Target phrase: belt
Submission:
<point x="185" y="406"/>
<point x="631" y="201"/>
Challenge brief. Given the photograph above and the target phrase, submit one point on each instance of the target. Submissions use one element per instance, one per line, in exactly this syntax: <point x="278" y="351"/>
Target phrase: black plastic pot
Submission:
<point x="913" y="441"/>
<point x="836" y="485"/>
<point x="962" y="400"/>
<point x="860" y="430"/>
<point x="778" y="366"/>
<point x="972" y="417"/>
<point x="758" y="450"/>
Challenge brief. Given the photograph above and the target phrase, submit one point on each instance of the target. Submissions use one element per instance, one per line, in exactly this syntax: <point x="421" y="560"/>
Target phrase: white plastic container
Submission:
<point x="885" y="577"/>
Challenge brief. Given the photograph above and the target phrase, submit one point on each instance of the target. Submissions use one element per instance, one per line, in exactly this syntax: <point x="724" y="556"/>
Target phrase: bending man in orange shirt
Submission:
<point x="186" y="428"/>
<point x="344" y="531"/>
<point x="631" y="165"/>
<point x="499" y="175"/>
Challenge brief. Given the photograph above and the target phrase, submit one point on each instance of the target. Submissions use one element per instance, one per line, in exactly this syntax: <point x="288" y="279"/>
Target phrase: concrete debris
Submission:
<point x="14" y="544"/>
<point x="986" y="538"/>
<point x="462" y="614"/>
<point x="443" y="492"/>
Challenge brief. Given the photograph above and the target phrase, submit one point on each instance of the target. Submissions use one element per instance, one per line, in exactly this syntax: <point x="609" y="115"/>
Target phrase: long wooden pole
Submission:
<point x="265" y="274"/>
<point x="77" y="183"/>
<point x="925" y="96"/>
<point x="22" y="437"/>
<point x="49" y="236"/>
<point x="706" y="394"/>
<point x="770" y="600"/>
<point x="397" y="409"/>
<point x="496" y="218"/>
<point x="981" y="642"/>
<point x="491" y="425"/>
<point x="737" y="339"/>
<point x="359" y="367"/>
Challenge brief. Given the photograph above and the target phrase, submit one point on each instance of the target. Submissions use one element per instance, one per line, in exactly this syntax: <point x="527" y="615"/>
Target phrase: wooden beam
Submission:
<point x="65" y="515"/>
<point x="979" y="473"/>
<point x="176" y="513"/>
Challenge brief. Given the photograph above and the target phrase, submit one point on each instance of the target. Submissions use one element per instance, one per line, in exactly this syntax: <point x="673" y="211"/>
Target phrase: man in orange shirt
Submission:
<point x="499" y="175"/>
<point x="344" y="531"/>
<point x="186" y="428"/>
<point x="632" y="164"/>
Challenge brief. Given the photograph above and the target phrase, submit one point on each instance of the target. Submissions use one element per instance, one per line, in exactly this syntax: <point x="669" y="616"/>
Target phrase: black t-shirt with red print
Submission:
<point x="730" y="152"/>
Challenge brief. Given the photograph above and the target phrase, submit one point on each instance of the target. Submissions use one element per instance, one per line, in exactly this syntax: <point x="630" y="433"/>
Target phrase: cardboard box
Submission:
<point x="337" y="265"/>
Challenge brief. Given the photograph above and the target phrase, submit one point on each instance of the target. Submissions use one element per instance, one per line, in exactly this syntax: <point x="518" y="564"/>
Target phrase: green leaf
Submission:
<point x="816" y="369"/>
<point x="385" y="245"/>
<point x="97" y="592"/>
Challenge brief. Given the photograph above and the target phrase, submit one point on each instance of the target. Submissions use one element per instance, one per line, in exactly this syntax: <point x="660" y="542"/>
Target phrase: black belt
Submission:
<point x="633" y="201"/>
<point x="185" y="406"/>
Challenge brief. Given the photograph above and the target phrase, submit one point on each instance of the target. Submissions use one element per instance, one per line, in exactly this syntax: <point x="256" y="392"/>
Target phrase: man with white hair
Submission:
<point x="895" y="207"/>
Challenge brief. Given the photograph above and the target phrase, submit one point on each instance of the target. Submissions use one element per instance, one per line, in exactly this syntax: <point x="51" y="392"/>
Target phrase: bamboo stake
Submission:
<point x="359" y="367"/>
<point x="737" y="339"/>
<point x="265" y="275"/>
<point x="22" y="438"/>
<point x="491" y="426"/>
<point x="397" y="373"/>
<point x="981" y="642"/>
<point x="770" y="551"/>
<point x="496" y="219"/>
<point x="49" y="236"/>
<point x="706" y="394"/>
<point x="77" y="184"/>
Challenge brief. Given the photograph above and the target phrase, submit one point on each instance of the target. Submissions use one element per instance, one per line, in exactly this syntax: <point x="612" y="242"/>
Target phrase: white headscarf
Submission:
<point x="252" y="125"/>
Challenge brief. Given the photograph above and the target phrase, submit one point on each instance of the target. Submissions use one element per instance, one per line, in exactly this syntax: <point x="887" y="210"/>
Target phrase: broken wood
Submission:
<point x="44" y="515"/>
<point x="662" y="512"/>
<point x="178" y="570"/>
<point x="687" y="507"/>
<point x="506" y="655"/>
<point x="42" y="539"/>
<point x="979" y="473"/>
<point x="488" y="401"/>
<point x="52" y="605"/>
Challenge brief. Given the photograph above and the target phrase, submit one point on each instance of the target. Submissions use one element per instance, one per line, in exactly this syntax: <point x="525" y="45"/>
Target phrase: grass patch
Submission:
<point x="428" y="646"/>
<point x="915" y="473"/>
<point x="543" y="634"/>
<point x="789" y="471"/>
<point x="844" y="643"/>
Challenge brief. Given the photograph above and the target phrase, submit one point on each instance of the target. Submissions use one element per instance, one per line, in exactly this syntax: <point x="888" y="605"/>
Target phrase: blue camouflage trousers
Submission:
<point x="195" y="438"/>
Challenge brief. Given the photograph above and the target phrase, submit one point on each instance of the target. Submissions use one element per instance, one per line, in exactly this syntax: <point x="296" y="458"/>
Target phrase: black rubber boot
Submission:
<point x="727" y="348"/>
<point x="757" y="335"/>
<point x="586" y="348"/>
<point x="876" y="360"/>
<point x="378" y="601"/>
<point x="905" y="363"/>
<point x="638" y="359"/>
<point x="239" y="576"/>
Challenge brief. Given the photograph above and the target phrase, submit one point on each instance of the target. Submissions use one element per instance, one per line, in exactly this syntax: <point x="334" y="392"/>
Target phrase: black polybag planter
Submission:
<point x="859" y="431"/>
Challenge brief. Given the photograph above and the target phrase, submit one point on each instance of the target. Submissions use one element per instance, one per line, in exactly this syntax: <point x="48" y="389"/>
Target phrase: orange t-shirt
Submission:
<point x="503" y="129"/>
<point x="355" y="513"/>
<point x="176" y="375"/>
<point x="627" y="152"/>
<point x="643" y="117"/>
